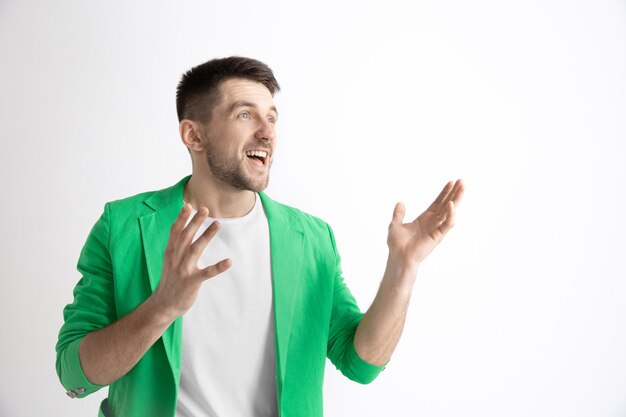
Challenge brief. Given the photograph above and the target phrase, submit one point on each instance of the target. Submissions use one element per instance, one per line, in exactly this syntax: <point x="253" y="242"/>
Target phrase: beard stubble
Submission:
<point x="230" y="171"/>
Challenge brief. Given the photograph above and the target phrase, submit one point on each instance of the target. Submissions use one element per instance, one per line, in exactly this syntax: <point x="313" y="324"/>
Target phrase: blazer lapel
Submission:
<point x="155" y="231"/>
<point x="286" y="247"/>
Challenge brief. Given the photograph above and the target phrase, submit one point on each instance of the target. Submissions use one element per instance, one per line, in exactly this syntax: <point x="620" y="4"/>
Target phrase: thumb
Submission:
<point x="398" y="214"/>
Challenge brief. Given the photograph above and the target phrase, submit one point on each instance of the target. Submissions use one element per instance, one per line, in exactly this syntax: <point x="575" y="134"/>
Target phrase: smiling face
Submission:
<point x="240" y="136"/>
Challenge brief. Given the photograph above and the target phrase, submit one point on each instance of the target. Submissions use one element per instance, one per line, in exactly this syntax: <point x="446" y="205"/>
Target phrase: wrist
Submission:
<point x="158" y="310"/>
<point x="400" y="266"/>
<point x="401" y="275"/>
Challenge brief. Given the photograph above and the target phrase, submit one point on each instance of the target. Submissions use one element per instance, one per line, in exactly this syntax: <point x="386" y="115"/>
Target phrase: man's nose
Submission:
<point x="265" y="131"/>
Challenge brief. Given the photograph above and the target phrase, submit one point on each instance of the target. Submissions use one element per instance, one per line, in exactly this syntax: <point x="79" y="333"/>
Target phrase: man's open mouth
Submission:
<point x="258" y="157"/>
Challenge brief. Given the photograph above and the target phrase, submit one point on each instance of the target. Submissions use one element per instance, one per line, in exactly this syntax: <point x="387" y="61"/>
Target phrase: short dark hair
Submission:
<point x="198" y="90"/>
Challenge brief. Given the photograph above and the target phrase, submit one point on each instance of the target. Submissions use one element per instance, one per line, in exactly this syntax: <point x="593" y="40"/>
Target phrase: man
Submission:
<point x="178" y="319"/>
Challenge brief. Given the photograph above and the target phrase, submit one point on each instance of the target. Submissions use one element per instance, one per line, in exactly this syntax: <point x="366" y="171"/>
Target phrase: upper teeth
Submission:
<point x="262" y="154"/>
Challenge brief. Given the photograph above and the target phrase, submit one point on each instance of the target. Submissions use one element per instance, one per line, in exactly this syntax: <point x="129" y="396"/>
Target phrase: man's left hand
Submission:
<point x="410" y="243"/>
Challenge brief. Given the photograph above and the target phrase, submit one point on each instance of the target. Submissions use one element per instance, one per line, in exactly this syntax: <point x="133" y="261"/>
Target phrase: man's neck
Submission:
<point x="222" y="202"/>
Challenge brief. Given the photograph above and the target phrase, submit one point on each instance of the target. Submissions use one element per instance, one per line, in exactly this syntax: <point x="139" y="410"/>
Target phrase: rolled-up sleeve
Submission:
<point x="93" y="308"/>
<point x="345" y="318"/>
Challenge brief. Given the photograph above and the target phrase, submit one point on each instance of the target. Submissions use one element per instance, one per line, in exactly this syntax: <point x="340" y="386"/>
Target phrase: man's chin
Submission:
<point x="257" y="188"/>
<point x="255" y="184"/>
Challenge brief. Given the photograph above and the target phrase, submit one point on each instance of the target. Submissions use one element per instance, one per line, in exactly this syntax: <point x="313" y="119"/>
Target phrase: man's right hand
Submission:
<point x="181" y="278"/>
<point x="110" y="352"/>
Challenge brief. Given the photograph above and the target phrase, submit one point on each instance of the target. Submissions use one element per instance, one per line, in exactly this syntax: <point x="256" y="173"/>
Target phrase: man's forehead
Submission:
<point x="240" y="89"/>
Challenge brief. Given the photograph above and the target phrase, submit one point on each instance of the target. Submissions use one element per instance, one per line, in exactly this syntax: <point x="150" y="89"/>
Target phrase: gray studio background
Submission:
<point x="520" y="312"/>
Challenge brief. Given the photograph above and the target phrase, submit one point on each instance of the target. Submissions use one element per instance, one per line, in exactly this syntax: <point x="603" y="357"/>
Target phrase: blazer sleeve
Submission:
<point x="93" y="307"/>
<point x="345" y="318"/>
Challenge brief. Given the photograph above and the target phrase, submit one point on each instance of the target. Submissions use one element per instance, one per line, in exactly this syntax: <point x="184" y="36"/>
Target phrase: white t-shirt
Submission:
<point x="228" y="363"/>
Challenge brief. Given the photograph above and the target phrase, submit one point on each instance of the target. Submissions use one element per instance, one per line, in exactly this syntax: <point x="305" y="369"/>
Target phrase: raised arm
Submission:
<point x="409" y="244"/>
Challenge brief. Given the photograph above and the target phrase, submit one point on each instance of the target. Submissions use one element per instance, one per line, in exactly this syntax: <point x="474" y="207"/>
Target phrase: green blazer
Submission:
<point x="315" y="314"/>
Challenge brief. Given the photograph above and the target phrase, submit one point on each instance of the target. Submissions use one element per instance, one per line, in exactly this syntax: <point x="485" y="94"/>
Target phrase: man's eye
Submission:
<point x="245" y="115"/>
<point x="271" y="120"/>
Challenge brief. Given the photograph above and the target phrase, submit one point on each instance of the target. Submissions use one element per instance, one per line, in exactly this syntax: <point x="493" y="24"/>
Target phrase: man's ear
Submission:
<point x="190" y="135"/>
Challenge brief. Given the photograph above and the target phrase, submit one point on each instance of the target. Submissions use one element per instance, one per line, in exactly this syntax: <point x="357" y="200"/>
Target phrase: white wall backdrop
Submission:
<point x="520" y="312"/>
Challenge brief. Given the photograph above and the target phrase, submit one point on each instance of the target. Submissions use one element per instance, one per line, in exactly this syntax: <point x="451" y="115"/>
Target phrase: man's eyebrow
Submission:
<point x="241" y="103"/>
